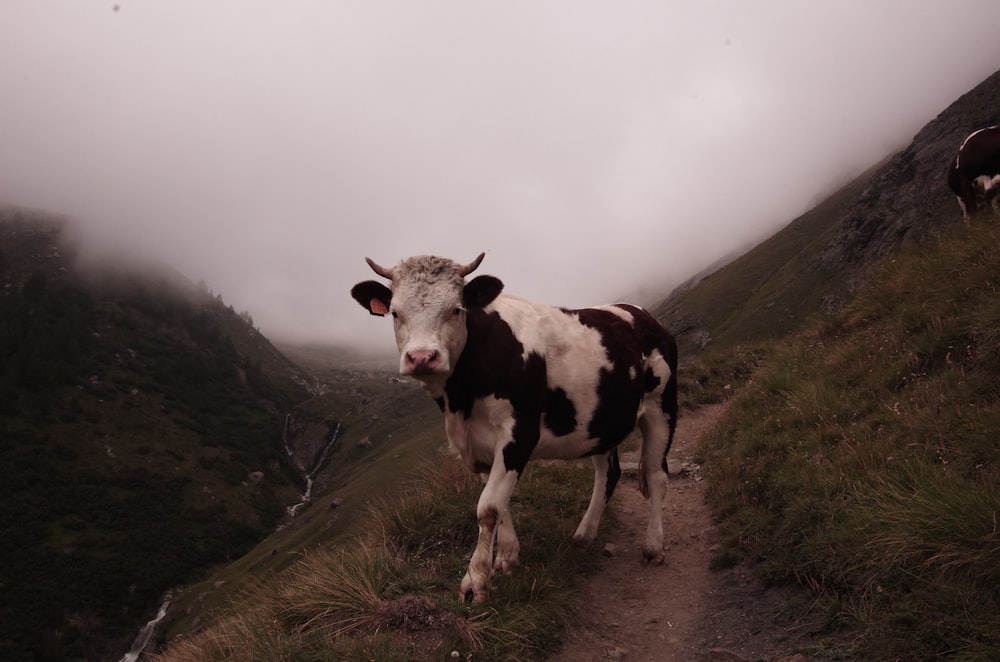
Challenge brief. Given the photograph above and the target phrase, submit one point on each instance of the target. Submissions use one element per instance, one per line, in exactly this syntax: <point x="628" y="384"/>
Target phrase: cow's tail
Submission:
<point x="670" y="409"/>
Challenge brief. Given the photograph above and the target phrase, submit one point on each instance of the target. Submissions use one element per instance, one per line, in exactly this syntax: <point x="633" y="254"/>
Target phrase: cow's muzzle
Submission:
<point x="421" y="362"/>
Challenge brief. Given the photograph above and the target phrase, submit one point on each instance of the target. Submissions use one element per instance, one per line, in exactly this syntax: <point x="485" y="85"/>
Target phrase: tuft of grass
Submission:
<point x="861" y="460"/>
<point x="336" y="591"/>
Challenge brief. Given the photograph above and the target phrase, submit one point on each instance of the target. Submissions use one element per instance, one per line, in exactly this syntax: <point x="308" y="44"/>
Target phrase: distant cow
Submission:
<point x="975" y="171"/>
<point x="519" y="380"/>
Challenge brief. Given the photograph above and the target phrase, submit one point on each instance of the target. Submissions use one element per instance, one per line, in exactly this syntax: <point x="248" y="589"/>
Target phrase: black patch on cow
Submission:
<point x="364" y="292"/>
<point x="652" y="381"/>
<point x="493" y="364"/>
<point x="652" y="336"/>
<point x="620" y="389"/>
<point x="440" y="403"/>
<point x="627" y="345"/>
<point x="527" y="416"/>
<point x="560" y="412"/>
<point x="481" y="291"/>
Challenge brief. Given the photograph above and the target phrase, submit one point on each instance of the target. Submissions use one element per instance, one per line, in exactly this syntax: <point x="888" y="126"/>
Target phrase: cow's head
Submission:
<point x="428" y="299"/>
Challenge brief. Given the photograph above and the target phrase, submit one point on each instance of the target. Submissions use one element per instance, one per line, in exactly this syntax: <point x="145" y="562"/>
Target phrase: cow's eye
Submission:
<point x="394" y="314"/>
<point x="458" y="311"/>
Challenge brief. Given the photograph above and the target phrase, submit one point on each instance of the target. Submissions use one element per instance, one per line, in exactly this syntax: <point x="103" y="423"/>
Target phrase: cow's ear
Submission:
<point x="480" y="291"/>
<point x="373" y="296"/>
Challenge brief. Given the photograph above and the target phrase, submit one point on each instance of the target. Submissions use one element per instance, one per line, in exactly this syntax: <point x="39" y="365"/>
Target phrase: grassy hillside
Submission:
<point x="766" y="292"/>
<point x="862" y="459"/>
<point x="133" y="409"/>
<point x="385" y="429"/>
<point x="389" y="592"/>
<point x="858" y="460"/>
<point x="370" y="569"/>
<point x="728" y="322"/>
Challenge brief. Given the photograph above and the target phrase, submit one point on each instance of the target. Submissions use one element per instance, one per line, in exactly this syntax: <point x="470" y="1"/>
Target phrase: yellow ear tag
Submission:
<point x="377" y="307"/>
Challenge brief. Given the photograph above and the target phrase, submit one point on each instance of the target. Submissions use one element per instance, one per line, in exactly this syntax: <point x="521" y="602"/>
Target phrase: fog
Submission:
<point x="594" y="150"/>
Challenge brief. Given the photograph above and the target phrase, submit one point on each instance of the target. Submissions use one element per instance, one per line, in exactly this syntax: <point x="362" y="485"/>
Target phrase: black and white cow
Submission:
<point x="975" y="171"/>
<point x="518" y="380"/>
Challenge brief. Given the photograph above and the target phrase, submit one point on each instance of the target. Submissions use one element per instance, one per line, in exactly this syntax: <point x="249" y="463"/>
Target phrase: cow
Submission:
<point x="520" y="380"/>
<point x="975" y="171"/>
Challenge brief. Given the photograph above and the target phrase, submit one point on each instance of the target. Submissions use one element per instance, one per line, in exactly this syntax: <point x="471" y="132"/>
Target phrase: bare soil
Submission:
<point x="682" y="610"/>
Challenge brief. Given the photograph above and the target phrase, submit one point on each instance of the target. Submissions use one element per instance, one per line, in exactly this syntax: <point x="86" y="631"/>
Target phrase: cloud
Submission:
<point x="592" y="149"/>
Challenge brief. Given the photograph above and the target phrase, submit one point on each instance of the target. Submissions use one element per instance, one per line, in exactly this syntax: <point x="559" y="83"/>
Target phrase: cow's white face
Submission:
<point x="429" y="302"/>
<point x="429" y="319"/>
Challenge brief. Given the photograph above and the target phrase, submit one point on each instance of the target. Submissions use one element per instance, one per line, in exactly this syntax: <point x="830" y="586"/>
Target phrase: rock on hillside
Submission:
<point x="903" y="199"/>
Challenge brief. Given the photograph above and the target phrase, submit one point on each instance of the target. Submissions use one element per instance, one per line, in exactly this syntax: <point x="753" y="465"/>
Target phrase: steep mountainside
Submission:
<point x="859" y="461"/>
<point x="903" y="200"/>
<point x="767" y="291"/>
<point x="141" y="422"/>
<point x="820" y="258"/>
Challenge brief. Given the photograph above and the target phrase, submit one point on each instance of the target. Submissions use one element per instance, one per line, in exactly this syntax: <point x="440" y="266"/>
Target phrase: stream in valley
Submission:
<point x="149" y="629"/>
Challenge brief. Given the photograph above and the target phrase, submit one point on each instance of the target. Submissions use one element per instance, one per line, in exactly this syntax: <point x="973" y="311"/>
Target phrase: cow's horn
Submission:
<point x="379" y="269"/>
<point x="471" y="266"/>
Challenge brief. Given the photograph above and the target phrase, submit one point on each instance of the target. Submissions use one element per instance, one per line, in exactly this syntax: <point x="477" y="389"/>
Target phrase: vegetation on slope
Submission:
<point x="767" y="292"/>
<point x="385" y="428"/>
<point x="862" y="459"/>
<point x="390" y="593"/>
<point x="858" y="459"/>
<point x="132" y="413"/>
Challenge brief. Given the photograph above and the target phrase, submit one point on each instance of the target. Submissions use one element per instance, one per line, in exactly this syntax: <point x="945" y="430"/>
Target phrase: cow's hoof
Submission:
<point x="505" y="566"/>
<point x="467" y="592"/>
<point x="469" y="595"/>
<point x="653" y="558"/>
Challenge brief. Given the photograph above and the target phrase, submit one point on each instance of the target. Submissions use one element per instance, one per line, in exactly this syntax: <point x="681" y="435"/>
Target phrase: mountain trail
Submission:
<point x="682" y="610"/>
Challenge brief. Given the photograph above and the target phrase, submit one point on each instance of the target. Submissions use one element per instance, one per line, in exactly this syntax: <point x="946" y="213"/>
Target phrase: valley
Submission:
<point x="297" y="502"/>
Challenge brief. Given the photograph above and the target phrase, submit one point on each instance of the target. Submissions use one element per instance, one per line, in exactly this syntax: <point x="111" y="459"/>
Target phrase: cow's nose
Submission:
<point x="422" y="360"/>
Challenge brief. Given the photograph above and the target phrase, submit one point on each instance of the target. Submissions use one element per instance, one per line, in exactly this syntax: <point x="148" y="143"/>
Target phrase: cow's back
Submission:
<point x="580" y="376"/>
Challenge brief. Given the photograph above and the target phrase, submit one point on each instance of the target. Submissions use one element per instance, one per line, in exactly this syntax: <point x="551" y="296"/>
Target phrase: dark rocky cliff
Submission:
<point x="904" y="199"/>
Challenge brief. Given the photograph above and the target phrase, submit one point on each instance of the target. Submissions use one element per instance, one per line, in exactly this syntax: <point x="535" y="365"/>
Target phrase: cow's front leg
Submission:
<point x="507" y="545"/>
<point x="493" y="502"/>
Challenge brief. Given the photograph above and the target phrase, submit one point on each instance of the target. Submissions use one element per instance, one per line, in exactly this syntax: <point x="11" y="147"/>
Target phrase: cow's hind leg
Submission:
<point x="656" y="433"/>
<point x="967" y="200"/>
<point x="607" y="471"/>
<point x="992" y="197"/>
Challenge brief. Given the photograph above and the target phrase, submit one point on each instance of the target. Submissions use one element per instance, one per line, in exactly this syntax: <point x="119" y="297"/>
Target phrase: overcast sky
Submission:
<point x="591" y="148"/>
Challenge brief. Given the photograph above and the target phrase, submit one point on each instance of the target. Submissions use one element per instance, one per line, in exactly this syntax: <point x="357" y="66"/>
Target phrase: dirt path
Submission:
<point x="680" y="611"/>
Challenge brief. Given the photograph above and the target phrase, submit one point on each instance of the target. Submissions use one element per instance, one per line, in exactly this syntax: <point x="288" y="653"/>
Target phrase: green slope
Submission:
<point x="133" y="409"/>
<point x="769" y="290"/>
<point x="862" y="460"/>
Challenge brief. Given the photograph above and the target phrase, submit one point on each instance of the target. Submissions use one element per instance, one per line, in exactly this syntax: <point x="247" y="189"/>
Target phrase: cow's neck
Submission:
<point x="434" y="385"/>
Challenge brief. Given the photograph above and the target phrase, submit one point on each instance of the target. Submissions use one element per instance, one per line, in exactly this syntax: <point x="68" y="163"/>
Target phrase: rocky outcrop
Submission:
<point x="904" y="199"/>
